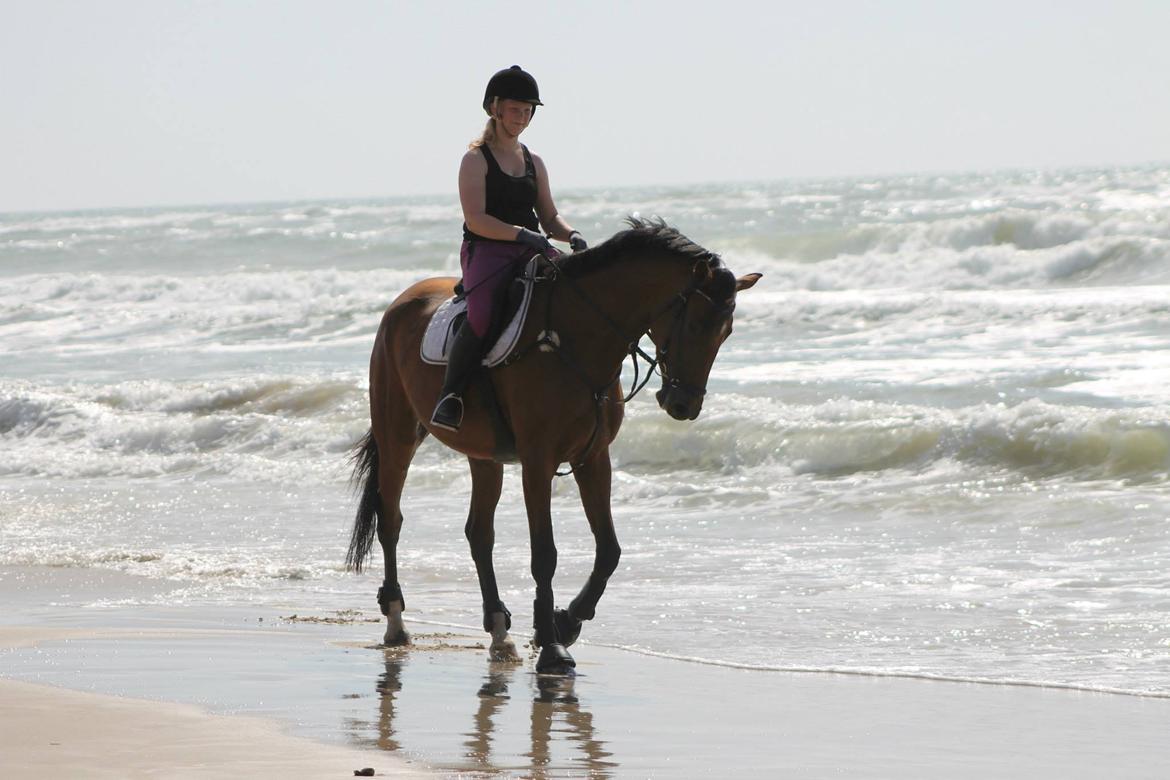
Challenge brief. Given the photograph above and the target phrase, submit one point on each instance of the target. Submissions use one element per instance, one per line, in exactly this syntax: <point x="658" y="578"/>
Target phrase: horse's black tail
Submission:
<point x="365" y="479"/>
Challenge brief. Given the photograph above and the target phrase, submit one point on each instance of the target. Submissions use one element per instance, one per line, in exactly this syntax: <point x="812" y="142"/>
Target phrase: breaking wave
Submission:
<point x="1033" y="438"/>
<point x="1006" y="250"/>
<point x="257" y="428"/>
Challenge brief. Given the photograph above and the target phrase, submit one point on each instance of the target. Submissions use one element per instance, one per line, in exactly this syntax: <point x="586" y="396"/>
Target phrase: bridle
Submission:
<point x="677" y="326"/>
<point x="548" y="341"/>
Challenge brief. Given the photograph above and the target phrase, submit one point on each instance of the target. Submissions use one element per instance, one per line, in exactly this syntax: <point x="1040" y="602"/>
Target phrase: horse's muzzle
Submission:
<point x="680" y="402"/>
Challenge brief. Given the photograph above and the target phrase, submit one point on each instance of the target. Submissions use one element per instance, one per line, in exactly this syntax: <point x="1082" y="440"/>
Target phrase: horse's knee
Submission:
<point x="389" y="528"/>
<point x="607" y="558"/>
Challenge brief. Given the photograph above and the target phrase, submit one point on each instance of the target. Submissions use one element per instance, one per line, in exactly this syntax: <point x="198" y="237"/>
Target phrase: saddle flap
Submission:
<point x="441" y="329"/>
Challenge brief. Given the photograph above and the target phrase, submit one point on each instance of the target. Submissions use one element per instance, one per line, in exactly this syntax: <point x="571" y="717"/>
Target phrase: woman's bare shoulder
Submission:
<point x="473" y="157"/>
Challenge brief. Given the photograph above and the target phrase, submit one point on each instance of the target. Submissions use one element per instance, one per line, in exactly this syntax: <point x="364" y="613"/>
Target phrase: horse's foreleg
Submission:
<point x="593" y="480"/>
<point x="537" y="500"/>
<point x="391" y="477"/>
<point x="486" y="482"/>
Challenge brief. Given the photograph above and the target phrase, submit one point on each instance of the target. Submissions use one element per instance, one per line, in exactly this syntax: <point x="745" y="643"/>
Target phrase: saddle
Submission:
<point x="436" y="342"/>
<point x="503" y="336"/>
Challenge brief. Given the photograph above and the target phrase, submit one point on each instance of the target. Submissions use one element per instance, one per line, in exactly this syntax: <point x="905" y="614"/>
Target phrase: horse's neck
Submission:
<point x="630" y="294"/>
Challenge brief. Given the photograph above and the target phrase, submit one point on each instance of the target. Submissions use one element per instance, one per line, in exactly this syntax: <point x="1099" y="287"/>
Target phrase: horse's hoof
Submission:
<point x="395" y="635"/>
<point x="503" y="650"/>
<point x="568" y="627"/>
<point x="502" y="647"/>
<point x="555" y="659"/>
<point x="399" y="638"/>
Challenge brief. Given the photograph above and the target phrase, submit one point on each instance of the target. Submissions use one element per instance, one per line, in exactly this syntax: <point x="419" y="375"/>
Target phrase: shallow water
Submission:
<point x="936" y="444"/>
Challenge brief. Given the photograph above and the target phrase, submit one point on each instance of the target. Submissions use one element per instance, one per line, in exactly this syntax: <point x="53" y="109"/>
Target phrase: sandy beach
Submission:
<point x="67" y="733"/>
<point x="77" y="721"/>
<point x="217" y="693"/>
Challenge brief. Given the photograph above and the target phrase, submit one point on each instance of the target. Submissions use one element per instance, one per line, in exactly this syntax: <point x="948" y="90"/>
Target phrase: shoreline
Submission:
<point x="320" y="699"/>
<point x="891" y="675"/>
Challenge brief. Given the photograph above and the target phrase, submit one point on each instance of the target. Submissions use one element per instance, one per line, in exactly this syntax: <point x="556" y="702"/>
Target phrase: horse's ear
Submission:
<point x="746" y="281"/>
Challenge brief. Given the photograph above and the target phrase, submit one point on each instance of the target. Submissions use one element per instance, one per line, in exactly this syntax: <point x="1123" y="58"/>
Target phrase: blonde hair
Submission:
<point x="489" y="132"/>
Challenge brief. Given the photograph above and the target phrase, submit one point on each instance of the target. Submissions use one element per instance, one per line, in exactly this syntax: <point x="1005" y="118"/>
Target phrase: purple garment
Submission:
<point x="488" y="267"/>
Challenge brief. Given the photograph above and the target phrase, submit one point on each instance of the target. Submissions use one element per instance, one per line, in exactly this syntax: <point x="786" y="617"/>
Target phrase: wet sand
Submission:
<point x="318" y="698"/>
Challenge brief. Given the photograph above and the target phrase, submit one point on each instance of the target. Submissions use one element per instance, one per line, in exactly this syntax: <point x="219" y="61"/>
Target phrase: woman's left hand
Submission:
<point x="576" y="243"/>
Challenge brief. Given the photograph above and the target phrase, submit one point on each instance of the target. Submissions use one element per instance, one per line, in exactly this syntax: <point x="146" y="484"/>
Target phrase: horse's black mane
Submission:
<point x="644" y="235"/>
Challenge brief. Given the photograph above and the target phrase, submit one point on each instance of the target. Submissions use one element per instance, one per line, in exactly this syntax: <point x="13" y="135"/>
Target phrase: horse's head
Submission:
<point x="689" y="333"/>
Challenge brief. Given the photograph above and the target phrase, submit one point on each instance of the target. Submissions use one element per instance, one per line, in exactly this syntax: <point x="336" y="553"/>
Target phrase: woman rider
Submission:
<point x="505" y="195"/>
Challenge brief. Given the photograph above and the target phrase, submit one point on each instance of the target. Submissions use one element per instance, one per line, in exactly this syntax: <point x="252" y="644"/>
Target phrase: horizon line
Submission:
<point x="569" y="190"/>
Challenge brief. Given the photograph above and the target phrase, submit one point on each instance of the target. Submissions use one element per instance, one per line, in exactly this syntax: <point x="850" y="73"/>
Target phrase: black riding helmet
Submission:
<point x="512" y="83"/>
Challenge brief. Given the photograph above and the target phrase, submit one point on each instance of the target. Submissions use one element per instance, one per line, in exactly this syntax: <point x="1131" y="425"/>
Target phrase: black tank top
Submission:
<point x="510" y="199"/>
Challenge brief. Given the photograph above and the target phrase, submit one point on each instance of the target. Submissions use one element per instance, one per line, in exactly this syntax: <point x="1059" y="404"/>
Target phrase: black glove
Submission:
<point x="536" y="241"/>
<point x="576" y="243"/>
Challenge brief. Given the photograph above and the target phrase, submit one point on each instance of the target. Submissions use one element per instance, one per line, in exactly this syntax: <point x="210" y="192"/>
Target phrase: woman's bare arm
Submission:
<point x="552" y="222"/>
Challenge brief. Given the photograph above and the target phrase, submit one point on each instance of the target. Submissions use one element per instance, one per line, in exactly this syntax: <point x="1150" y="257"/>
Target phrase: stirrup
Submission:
<point x="448" y="413"/>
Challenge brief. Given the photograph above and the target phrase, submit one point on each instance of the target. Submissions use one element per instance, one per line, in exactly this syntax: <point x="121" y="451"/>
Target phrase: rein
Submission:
<point x="633" y="346"/>
<point x="549" y="341"/>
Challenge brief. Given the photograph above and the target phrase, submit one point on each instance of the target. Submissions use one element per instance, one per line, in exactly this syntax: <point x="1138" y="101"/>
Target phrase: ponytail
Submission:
<point x="489" y="131"/>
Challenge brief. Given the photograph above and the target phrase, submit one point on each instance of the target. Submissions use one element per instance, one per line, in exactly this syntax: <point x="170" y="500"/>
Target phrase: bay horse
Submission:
<point x="560" y="394"/>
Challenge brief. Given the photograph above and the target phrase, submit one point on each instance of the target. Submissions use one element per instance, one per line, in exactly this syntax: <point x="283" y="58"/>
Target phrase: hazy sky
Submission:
<point x="119" y="103"/>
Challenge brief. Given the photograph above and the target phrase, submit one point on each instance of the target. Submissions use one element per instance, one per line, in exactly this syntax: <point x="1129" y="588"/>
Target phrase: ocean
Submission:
<point x="937" y="444"/>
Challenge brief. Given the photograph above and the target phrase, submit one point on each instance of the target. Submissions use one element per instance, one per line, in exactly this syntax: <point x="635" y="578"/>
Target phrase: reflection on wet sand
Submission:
<point x="389" y="684"/>
<point x="561" y="738"/>
<point x="556" y="698"/>
<point x="493" y="694"/>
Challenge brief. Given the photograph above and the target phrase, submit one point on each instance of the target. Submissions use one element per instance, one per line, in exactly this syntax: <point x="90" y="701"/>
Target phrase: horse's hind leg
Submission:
<point x="486" y="481"/>
<point x="391" y="477"/>
<point x="397" y="433"/>
<point x="594" y="481"/>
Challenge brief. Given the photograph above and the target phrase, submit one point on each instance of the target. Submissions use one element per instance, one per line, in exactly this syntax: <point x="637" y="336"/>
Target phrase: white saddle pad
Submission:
<point x="437" y="340"/>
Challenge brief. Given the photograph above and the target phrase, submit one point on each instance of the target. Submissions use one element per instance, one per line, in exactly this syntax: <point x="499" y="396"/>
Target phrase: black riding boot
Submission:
<point x="466" y="351"/>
